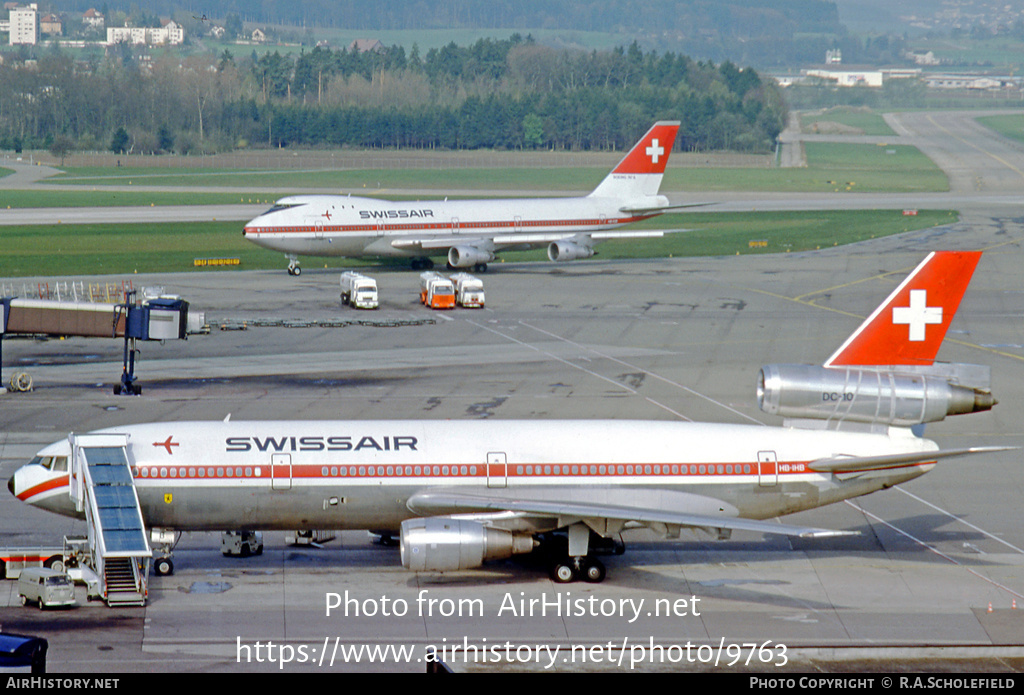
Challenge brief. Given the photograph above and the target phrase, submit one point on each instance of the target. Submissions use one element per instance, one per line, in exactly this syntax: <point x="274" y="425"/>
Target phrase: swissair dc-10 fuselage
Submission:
<point x="194" y="476"/>
<point x="460" y="493"/>
<point x="469" y="233"/>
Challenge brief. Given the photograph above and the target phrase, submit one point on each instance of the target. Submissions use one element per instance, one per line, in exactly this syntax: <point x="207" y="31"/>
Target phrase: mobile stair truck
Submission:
<point x="358" y="290"/>
<point x="436" y="291"/>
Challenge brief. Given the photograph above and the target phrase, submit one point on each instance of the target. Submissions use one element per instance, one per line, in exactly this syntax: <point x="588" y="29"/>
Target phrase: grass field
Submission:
<point x="1011" y="126"/>
<point x="77" y="250"/>
<point x="831" y="167"/>
<point x="864" y="120"/>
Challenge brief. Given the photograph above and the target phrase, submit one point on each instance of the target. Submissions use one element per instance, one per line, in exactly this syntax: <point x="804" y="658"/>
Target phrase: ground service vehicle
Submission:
<point x="46" y="588"/>
<point x="14" y="560"/>
<point x="436" y="291"/>
<point x="469" y="290"/>
<point x="241" y="543"/>
<point x="358" y="291"/>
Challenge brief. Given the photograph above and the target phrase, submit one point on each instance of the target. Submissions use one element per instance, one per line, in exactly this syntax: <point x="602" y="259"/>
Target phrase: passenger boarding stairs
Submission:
<point x="102" y="486"/>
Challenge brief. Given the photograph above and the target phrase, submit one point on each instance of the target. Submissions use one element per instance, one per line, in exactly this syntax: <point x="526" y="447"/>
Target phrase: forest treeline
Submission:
<point x="513" y="94"/>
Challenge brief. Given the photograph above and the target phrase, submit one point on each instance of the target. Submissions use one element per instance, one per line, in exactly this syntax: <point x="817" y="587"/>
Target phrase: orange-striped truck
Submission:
<point x="14" y="560"/>
<point x="436" y="291"/>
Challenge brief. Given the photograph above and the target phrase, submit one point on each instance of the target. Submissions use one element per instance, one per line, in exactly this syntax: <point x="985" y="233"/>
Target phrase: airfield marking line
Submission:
<point x="956" y="518"/>
<point x="552" y="356"/>
<point x="646" y="373"/>
<point x="976" y="147"/>
<point x="801" y="297"/>
<point x="934" y="550"/>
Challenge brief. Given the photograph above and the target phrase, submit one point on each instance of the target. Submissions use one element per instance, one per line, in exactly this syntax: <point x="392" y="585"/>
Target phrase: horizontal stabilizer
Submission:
<point x="849" y="464"/>
<point x="664" y="208"/>
<point x="449" y="502"/>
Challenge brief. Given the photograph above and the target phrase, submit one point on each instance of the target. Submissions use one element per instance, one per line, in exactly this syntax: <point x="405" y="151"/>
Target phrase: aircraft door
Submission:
<point x="517" y="224"/>
<point x="767" y="468"/>
<point x="497" y="469"/>
<point x="455" y="225"/>
<point x="280" y="471"/>
<point x="318" y="229"/>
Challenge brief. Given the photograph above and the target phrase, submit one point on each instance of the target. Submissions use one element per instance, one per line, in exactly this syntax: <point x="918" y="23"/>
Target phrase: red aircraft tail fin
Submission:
<point x="640" y="171"/>
<point x="909" y="326"/>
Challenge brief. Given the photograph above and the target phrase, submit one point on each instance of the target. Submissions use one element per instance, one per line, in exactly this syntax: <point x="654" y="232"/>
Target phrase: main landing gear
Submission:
<point x="422" y="264"/>
<point x="587" y="568"/>
<point x="574" y="558"/>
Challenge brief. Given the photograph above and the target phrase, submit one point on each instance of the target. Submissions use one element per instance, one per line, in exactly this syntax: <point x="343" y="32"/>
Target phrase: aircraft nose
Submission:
<point x="10" y="484"/>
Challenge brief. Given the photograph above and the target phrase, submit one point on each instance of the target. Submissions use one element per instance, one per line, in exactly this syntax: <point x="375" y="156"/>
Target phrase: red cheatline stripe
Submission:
<point x="51" y="484"/>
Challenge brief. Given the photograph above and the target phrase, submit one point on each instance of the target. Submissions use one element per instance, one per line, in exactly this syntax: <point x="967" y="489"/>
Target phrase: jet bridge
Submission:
<point x="102" y="486"/>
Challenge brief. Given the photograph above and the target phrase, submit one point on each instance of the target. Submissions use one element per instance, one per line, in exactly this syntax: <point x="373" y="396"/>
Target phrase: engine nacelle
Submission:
<point x="851" y="394"/>
<point x="440" y="544"/>
<point x="568" y="251"/>
<point x="467" y="256"/>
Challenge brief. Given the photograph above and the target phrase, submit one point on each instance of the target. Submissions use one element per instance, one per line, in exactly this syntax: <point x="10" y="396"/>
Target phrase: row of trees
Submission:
<point x="513" y="93"/>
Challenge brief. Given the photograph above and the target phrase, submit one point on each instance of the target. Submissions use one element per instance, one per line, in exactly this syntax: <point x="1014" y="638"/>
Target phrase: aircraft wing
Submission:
<point x="447" y="502"/>
<point x="849" y="464"/>
<point x="525" y="239"/>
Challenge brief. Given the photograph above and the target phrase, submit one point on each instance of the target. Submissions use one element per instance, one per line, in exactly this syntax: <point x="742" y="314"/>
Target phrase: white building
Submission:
<point x="170" y="34"/>
<point x="23" y="25"/>
<point x="843" y="78"/>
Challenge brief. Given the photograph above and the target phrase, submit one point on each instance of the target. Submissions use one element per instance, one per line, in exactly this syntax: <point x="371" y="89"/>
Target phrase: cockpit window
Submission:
<point x="51" y="463"/>
<point x="282" y="206"/>
<point x="44" y="461"/>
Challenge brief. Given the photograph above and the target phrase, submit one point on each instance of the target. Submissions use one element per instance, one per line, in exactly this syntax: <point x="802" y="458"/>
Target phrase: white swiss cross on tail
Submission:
<point x="900" y="331"/>
<point x="917" y="315"/>
<point x="654" y="152"/>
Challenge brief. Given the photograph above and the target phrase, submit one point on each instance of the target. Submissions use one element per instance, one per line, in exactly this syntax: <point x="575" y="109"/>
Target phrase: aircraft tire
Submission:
<point x="163" y="567"/>
<point x="564" y="572"/>
<point x="593" y="571"/>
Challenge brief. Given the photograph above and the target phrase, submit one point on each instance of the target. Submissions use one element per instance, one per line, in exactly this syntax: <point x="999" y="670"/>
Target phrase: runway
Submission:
<point x="664" y="339"/>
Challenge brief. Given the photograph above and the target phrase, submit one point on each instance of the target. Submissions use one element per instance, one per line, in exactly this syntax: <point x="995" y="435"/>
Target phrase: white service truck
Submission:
<point x="358" y="290"/>
<point x="469" y="290"/>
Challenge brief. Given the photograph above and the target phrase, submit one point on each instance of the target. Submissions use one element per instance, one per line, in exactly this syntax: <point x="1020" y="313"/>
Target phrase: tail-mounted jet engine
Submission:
<point x="568" y="251"/>
<point x="467" y="256"/>
<point x="904" y="397"/>
<point x="439" y="544"/>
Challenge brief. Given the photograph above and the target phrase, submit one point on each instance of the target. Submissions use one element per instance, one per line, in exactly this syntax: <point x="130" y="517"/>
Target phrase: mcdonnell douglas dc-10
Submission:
<point x="471" y="232"/>
<point x="458" y="494"/>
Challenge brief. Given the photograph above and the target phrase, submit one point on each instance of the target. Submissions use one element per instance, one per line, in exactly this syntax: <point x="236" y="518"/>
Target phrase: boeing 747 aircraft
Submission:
<point x="471" y="232"/>
<point x="458" y="494"/>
